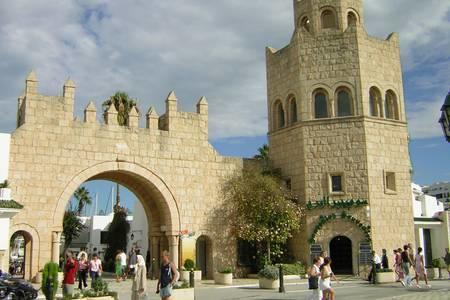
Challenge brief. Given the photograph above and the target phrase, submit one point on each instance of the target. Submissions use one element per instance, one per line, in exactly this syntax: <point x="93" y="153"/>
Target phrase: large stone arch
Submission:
<point x="149" y="188"/>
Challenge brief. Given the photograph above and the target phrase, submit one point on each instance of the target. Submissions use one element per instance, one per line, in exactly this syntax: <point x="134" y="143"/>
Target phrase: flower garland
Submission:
<point x="338" y="204"/>
<point x="344" y="216"/>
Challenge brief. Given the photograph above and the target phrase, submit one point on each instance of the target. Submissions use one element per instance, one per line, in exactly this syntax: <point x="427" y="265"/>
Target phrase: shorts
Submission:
<point x="166" y="291"/>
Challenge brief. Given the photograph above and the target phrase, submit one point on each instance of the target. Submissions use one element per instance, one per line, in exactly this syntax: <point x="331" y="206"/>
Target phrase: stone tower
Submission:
<point x="338" y="131"/>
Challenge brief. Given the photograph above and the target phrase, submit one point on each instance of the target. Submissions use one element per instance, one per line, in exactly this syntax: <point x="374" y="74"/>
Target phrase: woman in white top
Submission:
<point x="420" y="267"/>
<point x="325" y="279"/>
<point x="314" y="271"/>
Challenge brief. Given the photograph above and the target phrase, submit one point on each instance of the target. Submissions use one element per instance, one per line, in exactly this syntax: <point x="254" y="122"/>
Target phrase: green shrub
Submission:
<point x="227" y="270"/>
<point x="437" y="263"/>
<point x="269" y="272"/>
<point x="294" y="269"/>
<point x="384" y="271"/>
<point x="183" y="285"/>
<point x="99" y="285"/>
<point x="50" y="273"/>
<point x="189" y="264"/>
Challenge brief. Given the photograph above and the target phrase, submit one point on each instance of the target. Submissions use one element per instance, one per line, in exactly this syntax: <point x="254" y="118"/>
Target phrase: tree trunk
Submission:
<point x="268" y="252"/>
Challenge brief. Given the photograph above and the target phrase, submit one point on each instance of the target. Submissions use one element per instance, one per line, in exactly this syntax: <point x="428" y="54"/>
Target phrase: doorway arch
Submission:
<point x="20" y="253"/>
<point x="341" y="255"/>
<point x="203" y="255"/>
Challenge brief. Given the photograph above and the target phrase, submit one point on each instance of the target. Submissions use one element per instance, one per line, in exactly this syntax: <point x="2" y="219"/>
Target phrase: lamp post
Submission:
<point x="445" y="118"/>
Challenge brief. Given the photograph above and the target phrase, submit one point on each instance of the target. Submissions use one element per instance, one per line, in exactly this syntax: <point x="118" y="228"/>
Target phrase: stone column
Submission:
<point x="56" y="244"/>
<point x="154" y="252"/>
<point x="173" y="249"/>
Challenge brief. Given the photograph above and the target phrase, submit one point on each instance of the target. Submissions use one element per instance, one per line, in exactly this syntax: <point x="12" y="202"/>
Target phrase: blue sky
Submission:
<point x="210" y="48"/>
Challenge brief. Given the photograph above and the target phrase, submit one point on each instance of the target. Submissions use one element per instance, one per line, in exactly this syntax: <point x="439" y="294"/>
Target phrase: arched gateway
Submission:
<point x="169" y="165"/>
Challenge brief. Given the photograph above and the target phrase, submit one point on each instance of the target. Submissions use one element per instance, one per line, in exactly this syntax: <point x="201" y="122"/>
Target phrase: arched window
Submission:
<point x="320" y="105"/>
<point x="305" y="24"/>
<point x="375" y="102"/>
<point x="351" y="19"/>
<point x="328" y="19"/>
<point x="391" y="106"/>
<point x="293" y="111"/>
<point x="344" y="103"/>
<point x="278" y="115"/>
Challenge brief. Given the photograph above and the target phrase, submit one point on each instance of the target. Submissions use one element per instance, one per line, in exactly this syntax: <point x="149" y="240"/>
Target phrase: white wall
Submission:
<point x="4" y="237"/>
<point x="4" y="155"/>
<point x="139" y="228"/>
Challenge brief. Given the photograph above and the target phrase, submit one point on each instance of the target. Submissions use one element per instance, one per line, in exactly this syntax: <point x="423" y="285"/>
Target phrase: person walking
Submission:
<point x="118" y="266"/>
<point x="70" y="271"/>
<point x="95" y="267"/>
<point x="384" y="259"/>
<point x="398" y="264"/>
<point x="412" y="258"/>
<point x="325" y="279"/>
<point x="420" y="268"/>
<point x="123" y="263"/>
<point x="446" y="258"/>
<point x="83" y="267"/>
<point x="139" y="286"/>
<point x="406" y="264"/>
<point x="376" y="266"/>
<point x="132" y="260"/>
<point x="313" y="279"/>
<point x="167" y="277"/>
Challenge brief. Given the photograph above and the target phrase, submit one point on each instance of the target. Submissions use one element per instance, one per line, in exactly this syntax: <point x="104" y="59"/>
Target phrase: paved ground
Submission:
<point x="297" y="289"/>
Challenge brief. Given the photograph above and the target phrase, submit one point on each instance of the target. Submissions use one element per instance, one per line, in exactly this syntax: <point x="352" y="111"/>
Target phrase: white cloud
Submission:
<point x="211" y="48"/>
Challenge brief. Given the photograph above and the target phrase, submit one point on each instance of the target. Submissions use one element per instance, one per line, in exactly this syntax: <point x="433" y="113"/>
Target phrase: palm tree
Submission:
<point x="83" y="198"/>
<point x="123" y="104"/>
<point x="263" y="156"/>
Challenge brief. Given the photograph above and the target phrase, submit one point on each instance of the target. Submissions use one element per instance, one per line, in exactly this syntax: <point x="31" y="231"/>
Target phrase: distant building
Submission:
<point x="440" y="190"/>
<point x="431" y="224"/>
<point x="93" y="238"/>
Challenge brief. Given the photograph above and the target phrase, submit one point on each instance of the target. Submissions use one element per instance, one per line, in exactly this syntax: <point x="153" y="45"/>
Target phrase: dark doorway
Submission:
<point x="341" y="255"/>
<point x="427" y="245"/>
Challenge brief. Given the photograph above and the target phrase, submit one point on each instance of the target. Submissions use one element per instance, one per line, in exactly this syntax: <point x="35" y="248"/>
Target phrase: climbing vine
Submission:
<point x="338" y="204"/>
<point x="344" y="216"/>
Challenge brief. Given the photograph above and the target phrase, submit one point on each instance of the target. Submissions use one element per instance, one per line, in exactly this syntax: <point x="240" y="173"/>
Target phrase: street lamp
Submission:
<point x="445" y="118"/>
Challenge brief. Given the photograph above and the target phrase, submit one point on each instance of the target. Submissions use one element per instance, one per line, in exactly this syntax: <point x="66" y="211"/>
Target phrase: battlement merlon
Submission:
<point x="35" y="108"/>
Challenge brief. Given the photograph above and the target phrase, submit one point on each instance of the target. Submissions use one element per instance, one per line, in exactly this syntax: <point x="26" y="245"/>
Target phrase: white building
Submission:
<point x="93" y="238"/>
<point x="440" y="190"/>
<point x="431" y="224"/>
<point x="8" y="207"/>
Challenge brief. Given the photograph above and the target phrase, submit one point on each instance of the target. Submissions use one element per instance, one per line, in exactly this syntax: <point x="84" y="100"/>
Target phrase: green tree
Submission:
<point x="83" y="198"/>
<point x="117" y="233"/>
<point x="72" y="227"/>
<point x="259" y="210"/>
<point x="123" y="104"/>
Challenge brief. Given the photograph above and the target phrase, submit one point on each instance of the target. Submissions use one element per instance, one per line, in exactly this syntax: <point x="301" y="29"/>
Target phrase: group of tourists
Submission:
<point x="124" y="265"/>
<point x="406" y="263"/>
<point x="80" y="267"/>
<point x="320" y="276"/>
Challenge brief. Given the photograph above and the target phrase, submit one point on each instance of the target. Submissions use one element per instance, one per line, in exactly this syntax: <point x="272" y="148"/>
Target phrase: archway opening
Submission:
<point x="203" y="254"/>
<point x="158" y="207"/>
<point x="20" y="248"/>
<point x="341" y="255"/>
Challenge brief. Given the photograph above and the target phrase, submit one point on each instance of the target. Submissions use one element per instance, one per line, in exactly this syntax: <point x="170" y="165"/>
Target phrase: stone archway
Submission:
<point x="31" y="248"/>
<point x="341" y="255"/>
<point x="158" y="201"/>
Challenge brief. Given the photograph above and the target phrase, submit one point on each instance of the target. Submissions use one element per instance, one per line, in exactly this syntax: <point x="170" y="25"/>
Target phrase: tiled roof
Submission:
<point x="10" y="204"/>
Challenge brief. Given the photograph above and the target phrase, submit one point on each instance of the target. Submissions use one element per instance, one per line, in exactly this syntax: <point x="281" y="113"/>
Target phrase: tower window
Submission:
<point x="391" y="106"/>
<point x="375" y="102"/>
<point x="320" y="105"/>
<point x="328" y="19"/>
<point x="336" y="183"/>
<point x="278" y="116"/>
<point x="305" y="24"/>
<point x="389" y="182"/>
<point x="351" y="19"/>
<point x="293" y="110"/>
<point x="344" y="103"/>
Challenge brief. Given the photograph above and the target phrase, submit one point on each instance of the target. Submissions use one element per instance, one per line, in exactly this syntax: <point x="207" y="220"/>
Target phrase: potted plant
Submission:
<point x="99" y="291"/>
<point x="189" y="266"/>
<point x="50" y="280"/>
<point x="433" y="273"/>
<point x="269" y="278"/>
<point x="385" y="276"/>
<point x="183" y="291"/>
<point x="224" y="276"/>
<point x="5" y="191"/>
